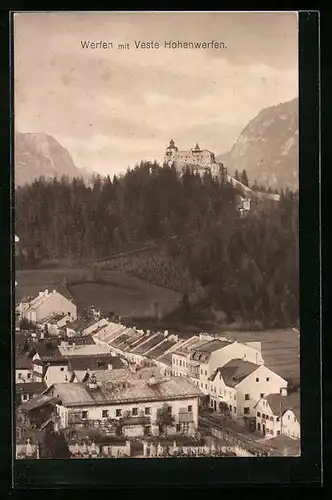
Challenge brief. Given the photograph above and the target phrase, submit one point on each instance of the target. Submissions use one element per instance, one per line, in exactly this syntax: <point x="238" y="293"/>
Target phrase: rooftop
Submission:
<point x="83" y="350"/>
<point x="30" y="388"/>
<point x="135" y="390"/>
<point x="280" y="404"/>
<point x="23" y="362"/>
<point x="110" y="332"/>
<point x="81" y="324"/>
<point x="235" y="371"/>
<point x="161" y="348"/>
<point x="145" y="346"/>
<point x="202" y="353"/>
<point x="166" y="359"/>
<point x="38" y="401"/>
<point x="187" y="347"/>
<point x="81" y="363"/>
<point x="47" y="351"/>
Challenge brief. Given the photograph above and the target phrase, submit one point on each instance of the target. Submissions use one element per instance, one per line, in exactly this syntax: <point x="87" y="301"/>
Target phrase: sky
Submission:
<point x="113" y="107"/>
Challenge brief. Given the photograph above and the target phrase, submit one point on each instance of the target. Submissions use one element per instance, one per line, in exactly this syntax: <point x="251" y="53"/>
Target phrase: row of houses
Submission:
<point x="231" y="376"/>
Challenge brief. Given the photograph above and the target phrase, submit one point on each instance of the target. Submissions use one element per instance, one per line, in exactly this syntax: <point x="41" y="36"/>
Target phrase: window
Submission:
<point x="104" y="414"/>
<point x="263" y="415"/>
<point x="246" y="410"/>
<point x="202" y="384"/>
<point x="224" y="393"/>
<point x="84" y="414"/>
<point x="278" y="419"/>
<point x="230" y="408"/>
<point x="169" y="409"/>
<point x="205" y="386"/>
<point x="257" y="379"/>
<point x="235" y="396"/>
<point x="190" y="408"/>
<point x="247" y="397"/>
<point x="278" y="433"/>
<point x="118" y="412"/>
<point x="61" y="369"/>
<point x="180" y="362"/>
<point x="258" y="414"/>
<point x="234" y="409"/>
<point x="215" y="389"/>
<point x="262" y="394"/>
<point x="19" y="375"/>
<point x="25" y="397"/>
<point x="267" y="379"/>
<point x="258" y="427"/>
<point x="147" y="410"/>
<point x="205" y="373"/>
<point x="288" y="417"/>
<point x="134" y="411"/>
<point x="28" y="375"/>
<point x="271" y="418"/>
<point x="201" y="372"/>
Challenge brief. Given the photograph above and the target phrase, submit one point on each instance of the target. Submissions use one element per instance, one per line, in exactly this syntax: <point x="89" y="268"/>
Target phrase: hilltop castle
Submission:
<point x="197" y="158"/>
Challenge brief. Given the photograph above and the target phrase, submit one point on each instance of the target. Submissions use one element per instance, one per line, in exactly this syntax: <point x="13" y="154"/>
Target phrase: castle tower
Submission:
<point x="196" y="148"/>
<point x="171" y="153"/>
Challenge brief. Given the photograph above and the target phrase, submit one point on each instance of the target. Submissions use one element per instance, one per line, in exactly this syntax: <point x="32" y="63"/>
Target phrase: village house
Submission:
<point x="141" y="406"/>
<point x="23" y="369"/>
<point x="44" y="305"/>
<point x="54" y="363"/>
<point x="181" y="356"/>
<point x="55" y="322"/>
<point x="241" y="384"/>
<point x="207" y="357"/>
<point x="85" y="326"/>
<point x="110" y="332"/>
<point x="25" y="391"/>
<point x="278" y="414"/>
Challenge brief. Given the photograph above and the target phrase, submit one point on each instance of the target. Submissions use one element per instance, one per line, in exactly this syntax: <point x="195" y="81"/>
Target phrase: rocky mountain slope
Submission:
<point x="39" y="155"/>
<point x="268" y="148"/>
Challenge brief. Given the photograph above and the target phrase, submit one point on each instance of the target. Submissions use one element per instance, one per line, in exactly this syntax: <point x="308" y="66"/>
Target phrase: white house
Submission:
<point x="137" y="399"/>
<point x="279" y="414"/>
<point x="55" y="322"/>
<point x="241" y="384"/>
<point x="45" y="305"/>
<point x="181" y="356"/>
<point x="23" y="369"/>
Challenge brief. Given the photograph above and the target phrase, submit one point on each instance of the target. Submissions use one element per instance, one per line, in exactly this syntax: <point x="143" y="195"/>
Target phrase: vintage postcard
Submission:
<point x="156" y="212"/>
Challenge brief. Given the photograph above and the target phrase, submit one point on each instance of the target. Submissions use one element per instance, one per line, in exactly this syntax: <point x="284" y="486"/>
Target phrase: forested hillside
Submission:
<point x="246" y="266"/>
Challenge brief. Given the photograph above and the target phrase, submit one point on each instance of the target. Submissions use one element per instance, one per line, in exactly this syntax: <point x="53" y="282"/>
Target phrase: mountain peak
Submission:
<point x="268" y="147"/>
<point x="39" y="154"/>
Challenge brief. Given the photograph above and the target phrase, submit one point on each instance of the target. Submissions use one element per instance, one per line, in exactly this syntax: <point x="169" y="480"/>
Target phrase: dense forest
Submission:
<point x="245" y="266"/>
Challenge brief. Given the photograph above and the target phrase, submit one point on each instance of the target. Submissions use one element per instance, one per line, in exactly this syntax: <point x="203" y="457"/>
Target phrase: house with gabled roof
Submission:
<point x="44" y="305"/>
<point x="206" y="357"/>
<point x="279" y="414"/>
<point x="241" y="384"/>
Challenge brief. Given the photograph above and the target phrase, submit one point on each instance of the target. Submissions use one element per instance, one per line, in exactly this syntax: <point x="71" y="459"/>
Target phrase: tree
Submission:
<point x="164" y="418"/>
<point x="244" y="178"/>
<point x="54" y="445"/>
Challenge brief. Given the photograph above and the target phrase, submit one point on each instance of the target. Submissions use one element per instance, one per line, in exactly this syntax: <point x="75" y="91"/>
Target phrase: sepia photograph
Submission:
<point x="156" y="189"/>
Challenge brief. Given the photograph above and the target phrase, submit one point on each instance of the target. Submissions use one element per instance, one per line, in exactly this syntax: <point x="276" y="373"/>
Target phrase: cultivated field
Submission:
<point x="118" y="293"/>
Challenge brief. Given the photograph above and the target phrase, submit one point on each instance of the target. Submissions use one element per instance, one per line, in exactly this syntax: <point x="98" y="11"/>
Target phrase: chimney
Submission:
<point x="165" y="333"/>
<point x="148" y="332"/>
<point x="92" y="382"/>
<point x="46" y="292"/>
<point x="54" y="291"/>
<point x="109" y="366"/>
<point x="283" y="391"/>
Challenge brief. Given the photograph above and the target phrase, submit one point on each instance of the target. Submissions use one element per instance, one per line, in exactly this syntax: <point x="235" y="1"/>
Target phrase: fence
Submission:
<point x="93" y="450"/>
<point x="158" y="450"/>
<point x="240" y="448"/>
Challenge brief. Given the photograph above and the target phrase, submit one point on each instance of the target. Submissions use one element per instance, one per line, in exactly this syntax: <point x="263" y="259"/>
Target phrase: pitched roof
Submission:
<point x="235" y="371"/>
<point x="280" y="404"/>
<point x="81" y="363"/>
<point x="110" y="332"/>
<point x="135" y="390"/>
<point x="38" y="401"/>
<point x="30" y="388"/>
<point x="166" y="359"/>
<point x="22" y="362"/>
<point x="161" y="348"/>
<point x="81" y="324"/>
<point x="83" y="350"/>
<point x="203" y="352"/>
<point x="145" y="346"/>
<point x="47" y="351"/>
<point x="187" y="347"/>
